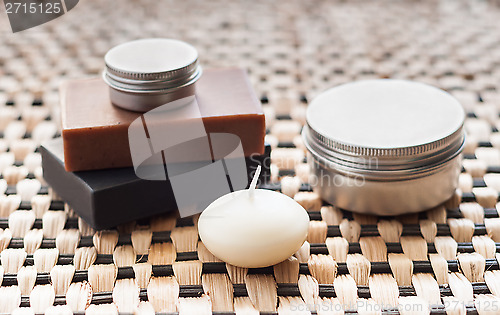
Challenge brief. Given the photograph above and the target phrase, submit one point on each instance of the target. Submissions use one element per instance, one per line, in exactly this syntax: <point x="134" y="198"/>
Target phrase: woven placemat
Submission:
<point x="445" y="258"/>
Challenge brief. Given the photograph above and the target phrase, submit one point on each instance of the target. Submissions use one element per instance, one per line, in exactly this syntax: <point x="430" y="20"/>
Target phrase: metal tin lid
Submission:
<point x="403" y="125"/>
<point x="151" y="65"/>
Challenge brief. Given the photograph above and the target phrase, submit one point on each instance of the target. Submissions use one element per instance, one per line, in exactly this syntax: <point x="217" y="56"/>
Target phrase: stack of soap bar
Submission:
<point x="106" y="198"/>
<point x="95" y="132"/>
<point x="91" y="166"/>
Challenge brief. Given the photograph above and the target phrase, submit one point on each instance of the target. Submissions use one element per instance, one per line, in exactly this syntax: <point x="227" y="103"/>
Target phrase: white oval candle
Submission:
<point x="253" y="228"/>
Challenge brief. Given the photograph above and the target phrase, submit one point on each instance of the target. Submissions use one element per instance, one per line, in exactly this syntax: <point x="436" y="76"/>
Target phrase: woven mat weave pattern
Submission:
<point x="442" y="261"/>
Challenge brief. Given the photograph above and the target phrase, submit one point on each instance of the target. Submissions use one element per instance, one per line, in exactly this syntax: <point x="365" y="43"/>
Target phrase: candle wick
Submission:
<point x="251" y="189"/>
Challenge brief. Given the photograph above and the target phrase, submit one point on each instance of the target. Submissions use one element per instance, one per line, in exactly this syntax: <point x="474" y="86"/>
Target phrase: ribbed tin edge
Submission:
<point x="386" y="163"/>
<point x="153" y="87"/>
<point x="153" y="76"/>
<point x="401" y="152"/>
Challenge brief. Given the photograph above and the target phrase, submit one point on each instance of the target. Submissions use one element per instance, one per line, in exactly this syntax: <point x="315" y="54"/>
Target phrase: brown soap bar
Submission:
<point x="95" y="132"/>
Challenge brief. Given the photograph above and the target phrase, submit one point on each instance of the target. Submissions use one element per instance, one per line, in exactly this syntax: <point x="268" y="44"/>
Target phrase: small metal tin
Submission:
<point x="385" y="147"/>
<point x="147" y="73"/>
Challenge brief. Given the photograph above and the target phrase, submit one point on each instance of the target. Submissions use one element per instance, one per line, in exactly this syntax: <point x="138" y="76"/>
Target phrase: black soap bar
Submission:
<point x="107" y="198"/>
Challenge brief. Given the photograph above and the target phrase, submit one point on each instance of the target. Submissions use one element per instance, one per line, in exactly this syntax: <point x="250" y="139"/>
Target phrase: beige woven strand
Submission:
<point x="12" y="259"/>
<point x="32" y="240"/>
<point x="220" y="290"/>
<point x="309" y="200"/>
<point x="461" y="287"/>
<point x="484" y="246"/>
<point x="287" y="271"/>
<point x="40" y="204"/>
<point x="237" y="275"/>
<point x="5" y="237"/>
<point x="304" y="253"/>
<point x="163" y="223"/>
<point x="84" y="228"/>
<point x="124" y="256"/>
<point x="20" y="222"/>
<point x="290" y="186"/>
<point x="426" y="288"/>
<point x="163" y="293"/>
<point x="185" y="239"/>
<point x="105" y="241"/>
<point x="461" y="229"/>
<point x="492" y="279"/>
<point x="309" y="289"/>
<point x="188" y="272"/>
<point x="53" y="223"/>
<point x="162" y="254"/>
<point x="102" y="309"/>
<point x="346" y="290"/>
<point x="437" y="214"/>
<point x="330" y="306"/>
<point x="303" y="170"/>
<point x="42" y="297"/>
<point x="262" y="292"/>
<point x="102" y="277"/>
<point x="78" y="296"/>
<point x="390" y="231"/>
<point x="67" y="241"/>
<point x="58" y="310"/>
<point x="84" y="257"/>
<point x="145" y="308"/>
<point x="493" y="228"/>
<point x="428" y="230"/>
<point x="201" y="305"/>
<point x="10" y="299"/>
<point x="415" y="247"/>
<point x="487" y="304"/>
<point x="244" y="306"/>
<point x="331" y="215"/>
<point x="338" y="248"/>
<point x="446" y="247"/>
<point x="126" y="295"/>
<point x="61" y="277"/>
<point x="9" y="203"/>
<point x="485" y="196"/>
<point x="402" y="268"/>
<point x="472" y="266"/>
<point x="287" y="158"/>
<point x="359" y="268"/>
<point x="472" y="211"/>
<point x="384" y="289"/>
<point x="317" y="232"/>
<point x="368" y="307"/>
<point x="26" y="278"/>
<point x="440" y="268"/>
<point x="141" y="241"/>
<point x="454" y="201"/>
<point x="454" y="306"/>
<point x="143" y="272"/>
<point x="45" y="259"/>
<point x="412" y="305"/>
<point x="373" y="248"/>
<point x="350" y="230"/>
<point x="290" y="305"/>
<point x="323" y="268"/>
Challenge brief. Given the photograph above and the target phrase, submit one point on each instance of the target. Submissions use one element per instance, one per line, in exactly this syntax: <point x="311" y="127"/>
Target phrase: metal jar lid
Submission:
<point x="384" y="129"/>
<point x="151" y="66"/>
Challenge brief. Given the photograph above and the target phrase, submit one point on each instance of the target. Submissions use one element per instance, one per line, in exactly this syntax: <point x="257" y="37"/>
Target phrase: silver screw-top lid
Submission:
<point x="154" y="65"/>
<point x="385" y="126"/>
